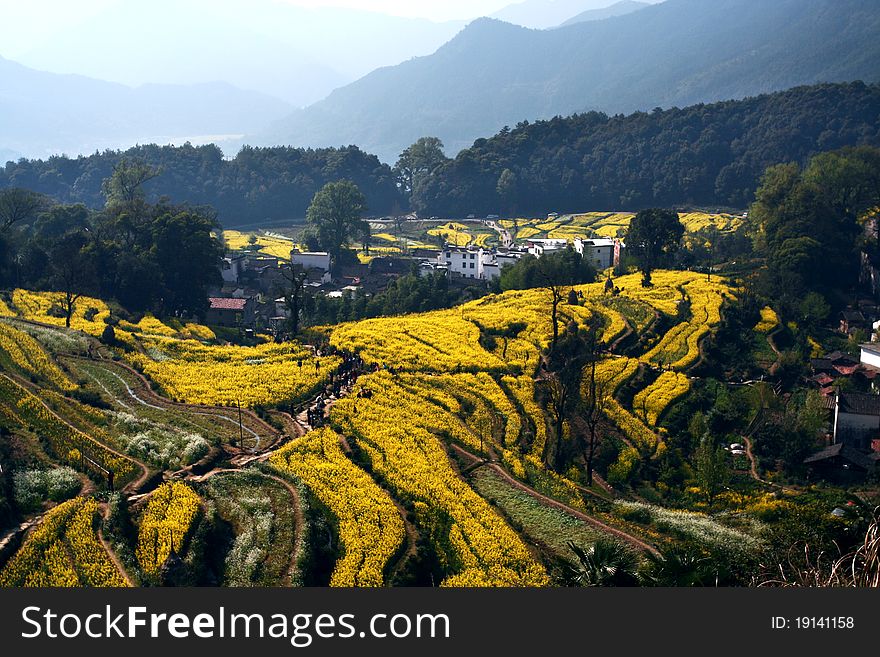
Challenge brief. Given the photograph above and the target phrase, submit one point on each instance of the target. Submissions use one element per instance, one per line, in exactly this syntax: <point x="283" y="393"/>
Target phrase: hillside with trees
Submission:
<point x="675" y="53"/>
<point x="259" y="185"/>
<point x="701" y="155"/>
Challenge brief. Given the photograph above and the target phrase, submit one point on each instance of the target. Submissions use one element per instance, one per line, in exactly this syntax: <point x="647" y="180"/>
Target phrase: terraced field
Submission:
<point x="440" y="442"/>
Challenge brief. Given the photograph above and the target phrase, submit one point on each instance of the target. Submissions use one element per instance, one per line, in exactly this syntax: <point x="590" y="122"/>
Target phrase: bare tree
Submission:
<point x="70" y="270"/>
<point x="596" y="393"/>
<point x="18" y="205"/>
<point x="293" y="293"/>
<point x="125" y="185"/>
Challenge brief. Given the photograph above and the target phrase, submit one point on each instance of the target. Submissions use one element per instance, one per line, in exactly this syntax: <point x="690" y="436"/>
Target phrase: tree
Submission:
<point x="554" y="272"/>
<point x="711" y="469"/>
<point x="187" y="256"/>
<point x="653" y="237"/>
<point x="418" y="161"/>
<point x="294" y="294"/>
<point x="508" y="191"/>
<point x="17" y="205"/>
<point x="335" y="213"/>
<point x="561" y="386"/>
<point x="125" y="187"/>
<point x="70" y="270"/>
<point x="595" y="395"/>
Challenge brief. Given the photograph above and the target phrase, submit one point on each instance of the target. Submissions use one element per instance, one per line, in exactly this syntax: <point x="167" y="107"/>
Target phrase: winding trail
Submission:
<point x="580" y="515"/>
<point x="148" y="398"/>
<point x="130" y="486"/>
<point x="105" y="514"/>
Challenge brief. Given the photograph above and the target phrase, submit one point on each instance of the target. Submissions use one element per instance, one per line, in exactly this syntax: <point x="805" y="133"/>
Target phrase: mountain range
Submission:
<point x="545" y="14"/>
<point x="43" y="114"/>
<point x="617" y="9"/>
<point x="675" y="53"/>
<point x="297" y="54"/>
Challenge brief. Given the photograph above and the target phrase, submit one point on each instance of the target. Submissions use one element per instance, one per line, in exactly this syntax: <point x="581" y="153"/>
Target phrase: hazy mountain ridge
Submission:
<point x="544" y="14"/>
<point x="44" y="113"/>
<point x="676" y="53"/>
<point x="617" y="9"/>
<point x="295" y="53"/>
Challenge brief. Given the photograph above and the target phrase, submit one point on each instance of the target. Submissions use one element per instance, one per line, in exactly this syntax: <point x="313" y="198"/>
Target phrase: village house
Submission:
<point x="229" y="312"/>
<point x="852" y="321"/>
<point x="842" y="464"/>
<point x="310" y="259"/>
<point x="602" y="253"/>
<point x="231" y="268"/>
<point x="475" y="262"/>
<point x="857" y="420"/>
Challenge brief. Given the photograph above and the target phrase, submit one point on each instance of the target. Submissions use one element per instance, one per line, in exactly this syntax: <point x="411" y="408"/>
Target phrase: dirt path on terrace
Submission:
<point x="632" y="540"/>
<point x="105" y="514"/>
<point x="129" y="487"/>
<point x="145" y="395"/>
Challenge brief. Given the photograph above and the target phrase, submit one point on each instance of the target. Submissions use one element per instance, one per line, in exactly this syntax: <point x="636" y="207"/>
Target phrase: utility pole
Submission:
<point x="240" y="425"/>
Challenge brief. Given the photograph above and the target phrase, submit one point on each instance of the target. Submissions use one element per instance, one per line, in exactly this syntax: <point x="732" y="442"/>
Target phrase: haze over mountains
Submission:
<point x="46" y="113"/>
<point x="295" y="53"/>
<point x="240" y="71"/>
<point x="543" y="14"/>
<point x="617" y="9"/>
<point x="676" y="53"/>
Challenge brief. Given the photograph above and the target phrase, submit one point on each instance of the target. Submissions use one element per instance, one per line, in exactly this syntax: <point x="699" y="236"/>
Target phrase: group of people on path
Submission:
<point x="342" y="380"/>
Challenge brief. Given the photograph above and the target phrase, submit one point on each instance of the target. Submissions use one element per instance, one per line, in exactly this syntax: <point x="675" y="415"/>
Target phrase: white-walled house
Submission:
<point x="311" y="259"/>
<point x="231" y="268"/>
<point x="539" y="247"/>
<point x="477" y="263"/>
<point x="856" y="419"/>
<point x="462" y="261"/>
<point x="871" y="355"/>
<point x="601" y="252"/>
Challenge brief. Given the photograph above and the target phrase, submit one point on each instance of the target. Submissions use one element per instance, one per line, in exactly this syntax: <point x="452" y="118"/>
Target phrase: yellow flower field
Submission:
<point x="169" y="517"/>
<point x="370" y="527"/>
<point x="63" y="551"/>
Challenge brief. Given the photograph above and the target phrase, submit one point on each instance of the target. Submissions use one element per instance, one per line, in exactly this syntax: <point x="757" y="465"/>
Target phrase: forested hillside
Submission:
<point x="703" y="155"/>
<point x="675" y="53"/>
<point x="259" y="185"/>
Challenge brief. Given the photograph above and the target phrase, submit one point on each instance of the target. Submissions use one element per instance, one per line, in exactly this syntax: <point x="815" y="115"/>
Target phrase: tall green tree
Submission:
<point x="187" y="256"/>
<point x="807" y="224"/>
<point x="653" y="237"/>
<point x="417" y="162"/>
<point x="711" y="468"/>
<point x="508" y="191"/>
<point x="336" y="214"/>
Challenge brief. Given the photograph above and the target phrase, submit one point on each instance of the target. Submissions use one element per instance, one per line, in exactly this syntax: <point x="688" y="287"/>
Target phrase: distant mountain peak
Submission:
<point x="676" y="53"/>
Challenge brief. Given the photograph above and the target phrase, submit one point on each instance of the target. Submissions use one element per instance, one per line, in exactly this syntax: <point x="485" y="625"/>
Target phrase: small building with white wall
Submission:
<point x="311" y="259"/>
<point x="600" y="252"/>
<point x="856" y="419"/>
<point x="870" y="355"/>
<point x="477" y="263"/>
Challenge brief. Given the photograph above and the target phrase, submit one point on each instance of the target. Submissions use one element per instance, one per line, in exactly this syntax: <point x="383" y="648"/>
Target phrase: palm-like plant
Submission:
<point x="681" y="567"/>
<point x="605" y="563"/>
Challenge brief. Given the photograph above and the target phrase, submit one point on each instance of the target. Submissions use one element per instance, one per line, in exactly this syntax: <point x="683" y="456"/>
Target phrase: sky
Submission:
<point x="25" y="24"/>
<point x="436" y="10"/>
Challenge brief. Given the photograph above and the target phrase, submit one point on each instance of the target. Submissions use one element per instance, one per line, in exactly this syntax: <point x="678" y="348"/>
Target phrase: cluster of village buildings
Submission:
<point x="253" y="281"/>
<point x="853" y="450"/>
